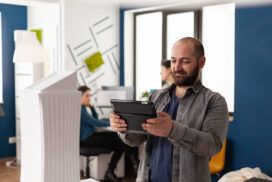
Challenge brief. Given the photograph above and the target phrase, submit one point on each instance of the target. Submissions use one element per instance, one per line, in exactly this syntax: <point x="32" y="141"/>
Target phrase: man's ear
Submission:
<point x="202" y="61"/>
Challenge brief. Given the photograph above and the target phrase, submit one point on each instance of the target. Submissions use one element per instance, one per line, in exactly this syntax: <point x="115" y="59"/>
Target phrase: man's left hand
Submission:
<point x="160" y="126"/>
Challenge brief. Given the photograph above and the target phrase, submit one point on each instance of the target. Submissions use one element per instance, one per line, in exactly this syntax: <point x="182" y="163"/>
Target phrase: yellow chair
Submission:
<point x="217" y="162"/>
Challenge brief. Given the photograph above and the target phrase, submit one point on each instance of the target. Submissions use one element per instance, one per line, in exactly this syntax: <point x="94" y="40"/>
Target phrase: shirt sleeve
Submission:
<point x="209" y="140"/>
<point x="134" y="139"/>
<point x="90" y="120"/>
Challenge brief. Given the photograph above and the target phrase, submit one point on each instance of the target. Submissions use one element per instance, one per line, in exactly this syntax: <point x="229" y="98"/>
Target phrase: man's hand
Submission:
<point x="117" y="124"/>
<point x="160" y="126"/>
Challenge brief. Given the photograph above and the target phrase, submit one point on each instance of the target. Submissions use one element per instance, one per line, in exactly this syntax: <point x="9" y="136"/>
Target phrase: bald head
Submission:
<point x="187" y="59"/>
<point x="198" y="49"/>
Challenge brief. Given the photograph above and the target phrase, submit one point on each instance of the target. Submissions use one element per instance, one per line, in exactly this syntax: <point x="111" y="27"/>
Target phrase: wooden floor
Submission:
<point x="8" y="174"/>
<point x="13" y="174"/>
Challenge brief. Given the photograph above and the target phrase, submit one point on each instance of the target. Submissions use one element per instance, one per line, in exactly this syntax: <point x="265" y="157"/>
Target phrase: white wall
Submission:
<point x="47" y="16"/>
<point x="83" y="22"/>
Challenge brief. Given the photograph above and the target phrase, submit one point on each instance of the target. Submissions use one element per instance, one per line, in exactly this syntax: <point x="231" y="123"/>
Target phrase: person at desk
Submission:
<point x="108" y="140"/>
<point x="166" y="73"/>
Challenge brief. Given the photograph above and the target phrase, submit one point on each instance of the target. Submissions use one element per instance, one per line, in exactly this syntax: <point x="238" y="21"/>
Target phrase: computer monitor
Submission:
<point x="106" y="93"/>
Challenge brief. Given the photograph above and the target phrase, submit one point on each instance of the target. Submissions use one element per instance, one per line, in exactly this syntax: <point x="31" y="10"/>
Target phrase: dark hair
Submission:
<point x="198" y="47"/>
<point x="83" y="89"/>
<point x="166" y="63"/>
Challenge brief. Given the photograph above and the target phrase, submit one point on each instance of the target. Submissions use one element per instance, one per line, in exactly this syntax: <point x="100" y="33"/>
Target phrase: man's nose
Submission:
<point x="178" y="67"/>
<point x="179" y="63"/>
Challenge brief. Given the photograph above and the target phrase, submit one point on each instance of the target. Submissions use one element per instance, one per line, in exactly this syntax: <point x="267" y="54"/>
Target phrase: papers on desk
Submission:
<point x="89" y="180"/>
<point x="104" y="129"/>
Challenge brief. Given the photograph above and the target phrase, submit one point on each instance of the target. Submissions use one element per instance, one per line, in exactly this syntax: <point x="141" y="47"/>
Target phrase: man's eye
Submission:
<point x="186" y="61"/>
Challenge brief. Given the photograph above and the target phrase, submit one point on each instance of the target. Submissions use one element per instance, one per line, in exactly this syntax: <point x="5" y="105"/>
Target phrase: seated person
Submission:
<point x="107" y="140"/>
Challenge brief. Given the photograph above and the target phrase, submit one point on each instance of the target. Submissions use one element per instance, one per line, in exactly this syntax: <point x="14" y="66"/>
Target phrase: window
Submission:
<point x="178" y="26"/>
<point x="148" y="52"/>
<point x="1" y="63"/>
<point x="218" y="41"/>
<point x="213" y="25"/>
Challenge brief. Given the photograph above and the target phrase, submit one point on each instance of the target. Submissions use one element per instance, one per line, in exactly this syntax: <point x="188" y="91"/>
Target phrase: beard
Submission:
<point x="185" y="79"/>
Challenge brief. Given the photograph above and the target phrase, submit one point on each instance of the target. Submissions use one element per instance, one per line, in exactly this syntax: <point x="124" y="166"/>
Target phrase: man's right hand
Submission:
<point x="117" y="124"/>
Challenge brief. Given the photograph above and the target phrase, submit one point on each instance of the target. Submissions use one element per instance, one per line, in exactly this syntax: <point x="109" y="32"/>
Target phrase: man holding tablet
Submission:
<point x="191" y="125"/>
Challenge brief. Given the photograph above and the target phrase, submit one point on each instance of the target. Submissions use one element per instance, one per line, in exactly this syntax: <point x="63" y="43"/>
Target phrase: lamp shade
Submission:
<point x="27" y="48"/>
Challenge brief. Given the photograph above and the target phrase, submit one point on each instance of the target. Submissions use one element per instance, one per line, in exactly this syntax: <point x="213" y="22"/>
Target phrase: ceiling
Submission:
<point x="143" y="3"/>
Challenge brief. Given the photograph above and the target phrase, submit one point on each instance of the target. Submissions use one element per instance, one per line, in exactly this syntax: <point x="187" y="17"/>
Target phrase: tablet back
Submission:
<point x="135" y="113"/>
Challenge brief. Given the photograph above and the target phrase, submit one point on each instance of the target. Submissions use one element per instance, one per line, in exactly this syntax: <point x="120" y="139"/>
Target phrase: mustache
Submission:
<point x="179" y="72"/>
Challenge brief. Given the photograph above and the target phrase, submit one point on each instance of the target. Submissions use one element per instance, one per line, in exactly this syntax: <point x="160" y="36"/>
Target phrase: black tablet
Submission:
<point x="135" y="113"/>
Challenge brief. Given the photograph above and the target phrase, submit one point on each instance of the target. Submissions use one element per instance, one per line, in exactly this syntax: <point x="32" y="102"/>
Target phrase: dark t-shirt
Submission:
<point x="162" y="152"/>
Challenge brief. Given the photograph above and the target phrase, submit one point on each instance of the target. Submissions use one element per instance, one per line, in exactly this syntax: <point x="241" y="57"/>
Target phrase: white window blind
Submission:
<point x="148" y="52"/>
<point x="218" y="39"/>
<point x="179" y="25"/>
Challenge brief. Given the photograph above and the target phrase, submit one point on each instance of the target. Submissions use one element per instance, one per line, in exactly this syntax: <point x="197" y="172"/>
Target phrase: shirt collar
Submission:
<point x="195" y="88"/>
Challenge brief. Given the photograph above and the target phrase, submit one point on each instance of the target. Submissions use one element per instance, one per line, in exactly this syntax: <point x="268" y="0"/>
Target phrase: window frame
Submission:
<point x="165" y="13"/>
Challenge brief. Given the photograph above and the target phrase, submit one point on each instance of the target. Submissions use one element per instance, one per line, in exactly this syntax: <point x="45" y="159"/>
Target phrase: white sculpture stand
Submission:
<point x="50" y="124"/>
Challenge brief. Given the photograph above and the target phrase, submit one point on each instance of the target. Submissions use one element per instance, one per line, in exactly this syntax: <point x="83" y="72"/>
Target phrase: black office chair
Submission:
<point x="91" y="152"/>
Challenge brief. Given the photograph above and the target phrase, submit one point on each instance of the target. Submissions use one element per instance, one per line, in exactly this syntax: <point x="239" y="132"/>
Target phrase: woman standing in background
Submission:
<point x="166" y="74"/>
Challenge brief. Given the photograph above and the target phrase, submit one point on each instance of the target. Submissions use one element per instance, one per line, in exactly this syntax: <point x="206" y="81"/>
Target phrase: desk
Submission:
<point x="104" y="129"/>
<point x="89" y="180"/>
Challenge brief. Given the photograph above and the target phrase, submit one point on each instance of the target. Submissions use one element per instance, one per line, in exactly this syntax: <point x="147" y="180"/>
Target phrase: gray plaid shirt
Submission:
<point x="198" y="133"/>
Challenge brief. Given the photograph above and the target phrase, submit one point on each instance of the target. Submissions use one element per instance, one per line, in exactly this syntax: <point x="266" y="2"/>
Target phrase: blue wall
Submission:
<point x="250" y="135"/>
<point x="121" y="37"/>
<point x="13" y="17"/>
<point x="122" y="44"/>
